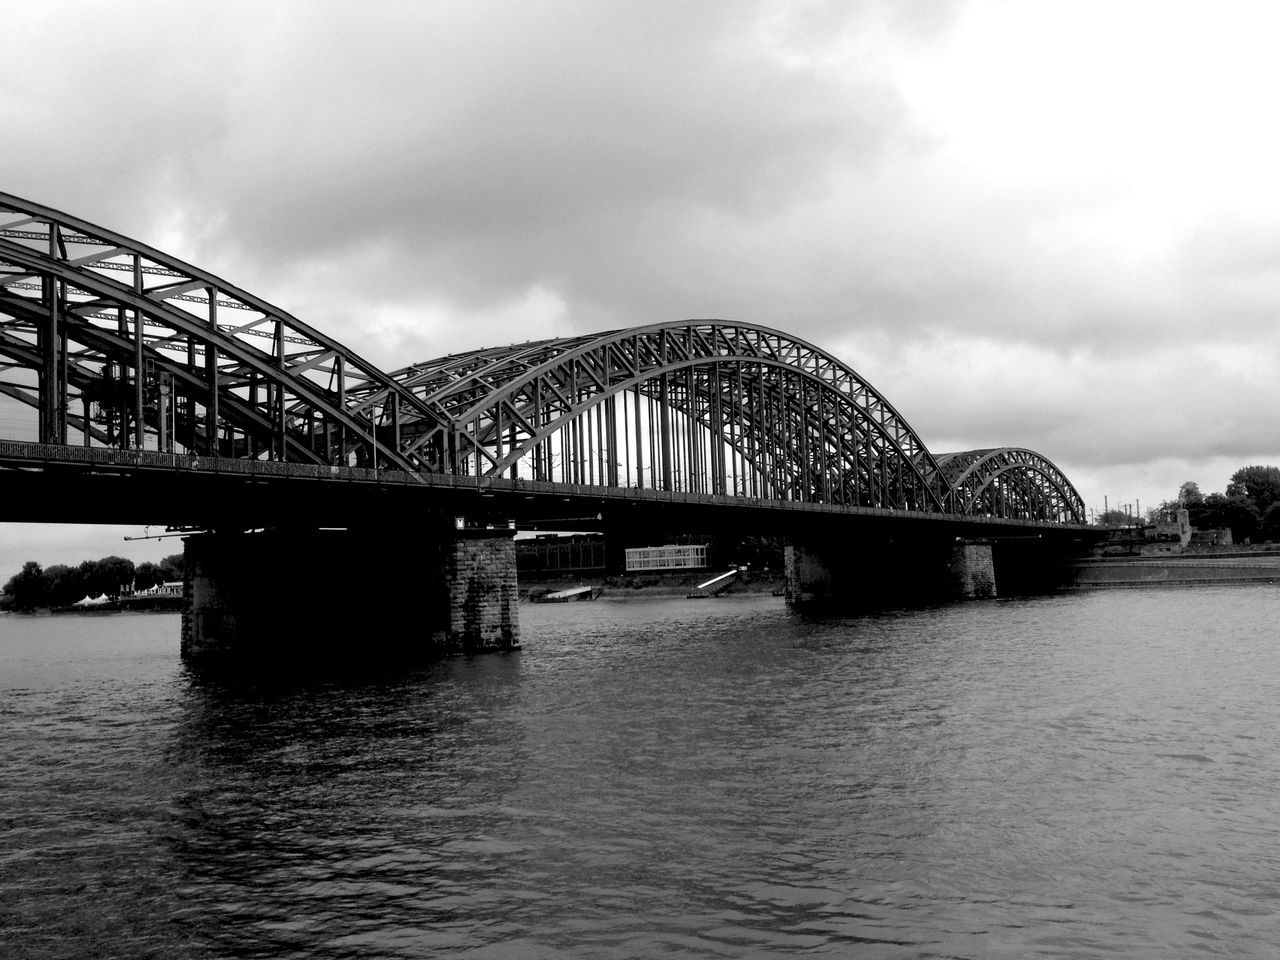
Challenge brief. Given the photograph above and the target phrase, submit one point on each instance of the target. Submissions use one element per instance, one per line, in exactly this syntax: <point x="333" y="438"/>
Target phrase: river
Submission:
<point x="1092" y="775"/>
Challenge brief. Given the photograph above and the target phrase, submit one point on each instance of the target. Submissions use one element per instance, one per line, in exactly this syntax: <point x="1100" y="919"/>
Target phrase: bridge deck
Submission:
<point x="19" y="458"/>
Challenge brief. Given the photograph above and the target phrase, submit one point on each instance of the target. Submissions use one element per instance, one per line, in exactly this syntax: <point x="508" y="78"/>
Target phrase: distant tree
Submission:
<point x="1164" y="513"/>
<point x="107" y="575"/>
<point x="1236" y="513"/>
<point x="173" y="567"/>
<point x="61" y="585"/>
<point x="1211" y="513"/>
<point x="66" y="585"/>
<point x="87" y="573"/>
<point x="1189" y="494"/>
<point x="1269" y="529"/>
<point x="1115" y="518"/>
<point x="147" y="575"/>
<point x="1259" y="485"/>
<point x="27" y="589"/>
<point x="1243" y="517"/>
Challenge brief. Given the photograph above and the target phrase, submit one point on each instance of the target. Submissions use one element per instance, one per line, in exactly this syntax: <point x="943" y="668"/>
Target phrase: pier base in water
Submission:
<point x="889" y="574"/>
<point x="310" y="597"/>
<point x="973" y="571"/>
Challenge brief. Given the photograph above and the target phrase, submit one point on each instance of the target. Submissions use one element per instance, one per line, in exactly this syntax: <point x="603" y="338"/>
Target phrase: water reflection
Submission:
<point x="1081" y="776"/>
<point x="306" y="803"/>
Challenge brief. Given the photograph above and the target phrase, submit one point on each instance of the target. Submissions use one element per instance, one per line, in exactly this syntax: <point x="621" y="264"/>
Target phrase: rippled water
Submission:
<point x="1086" y="776"/>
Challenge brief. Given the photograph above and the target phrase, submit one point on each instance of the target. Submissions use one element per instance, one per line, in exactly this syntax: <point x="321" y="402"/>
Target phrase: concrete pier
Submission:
<point x="888" y="572"/>
<point x="298" y="597"/>
<point x="973" y="571"/>
<point x="870" y="574"/>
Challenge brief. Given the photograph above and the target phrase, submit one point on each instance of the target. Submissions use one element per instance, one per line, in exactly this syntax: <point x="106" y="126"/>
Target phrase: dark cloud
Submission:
<point x="581" y="150"/>
<point x="480" y="152"/>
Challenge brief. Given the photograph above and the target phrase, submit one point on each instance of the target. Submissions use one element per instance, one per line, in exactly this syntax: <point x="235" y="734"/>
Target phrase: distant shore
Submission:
<point x="630" y="587"/>
<point x="123" y="605"/>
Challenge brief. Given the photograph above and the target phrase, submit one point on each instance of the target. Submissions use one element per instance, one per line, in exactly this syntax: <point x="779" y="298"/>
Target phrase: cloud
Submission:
<point x="480" y="154"/>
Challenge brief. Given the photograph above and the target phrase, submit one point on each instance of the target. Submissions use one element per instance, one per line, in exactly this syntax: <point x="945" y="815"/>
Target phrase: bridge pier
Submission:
<point x="809" y="576"/>
<point x="973" y="570"/>
<point x="295" y="598"/>
<point x="888" y="572"/>
<point x="878" y="573"/>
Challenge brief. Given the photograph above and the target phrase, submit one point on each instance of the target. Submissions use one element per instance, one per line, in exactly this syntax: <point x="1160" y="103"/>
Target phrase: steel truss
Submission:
<point x="1011" y="482"/>
<point x="116" y="344"/>
<point x="704" y="406"/>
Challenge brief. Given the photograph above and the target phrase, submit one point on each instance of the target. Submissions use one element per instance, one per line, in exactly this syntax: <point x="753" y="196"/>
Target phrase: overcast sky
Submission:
<point x="1051" y="225"/>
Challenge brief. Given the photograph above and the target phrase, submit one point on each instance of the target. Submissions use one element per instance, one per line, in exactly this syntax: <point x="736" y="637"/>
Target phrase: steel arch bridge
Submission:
<point x="112" y="343"/>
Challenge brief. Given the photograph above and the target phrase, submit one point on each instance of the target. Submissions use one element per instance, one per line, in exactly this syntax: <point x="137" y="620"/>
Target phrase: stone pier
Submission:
<point x="973" y="570"/>
<point x="887" y="573"/>
<point x="808" y="576"/>
<point x="298" y="597"/>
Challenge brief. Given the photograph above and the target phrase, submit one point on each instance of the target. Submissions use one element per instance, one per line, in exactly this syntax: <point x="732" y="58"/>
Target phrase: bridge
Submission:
<point x="155" y="392"/>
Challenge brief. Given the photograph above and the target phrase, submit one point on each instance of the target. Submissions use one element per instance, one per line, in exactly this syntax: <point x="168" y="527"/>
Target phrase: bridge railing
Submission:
<point x="17" y="451"/>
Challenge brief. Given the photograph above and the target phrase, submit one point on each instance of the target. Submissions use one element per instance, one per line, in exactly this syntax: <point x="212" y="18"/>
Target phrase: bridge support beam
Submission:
<point x="297" y="599"/>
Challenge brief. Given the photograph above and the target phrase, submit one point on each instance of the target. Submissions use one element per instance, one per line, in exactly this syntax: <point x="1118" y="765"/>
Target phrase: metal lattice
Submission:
<point x="125" y="346"/>
<point x="1011" y="482"/>
<point x="703" y="406"/>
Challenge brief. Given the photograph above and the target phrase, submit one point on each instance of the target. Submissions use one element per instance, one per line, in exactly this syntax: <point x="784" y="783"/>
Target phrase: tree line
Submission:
<point x="1249" y="507"/>
<point x="34" y="587"/>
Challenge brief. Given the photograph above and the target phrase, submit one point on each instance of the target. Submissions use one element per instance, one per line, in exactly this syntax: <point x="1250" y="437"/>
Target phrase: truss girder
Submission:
<point x="803" y="424"/>
<point x="1011" y="482"/>
<point x="83" y="375"/>
<point x="62" y="279"/>
<point x="782" y="405"/>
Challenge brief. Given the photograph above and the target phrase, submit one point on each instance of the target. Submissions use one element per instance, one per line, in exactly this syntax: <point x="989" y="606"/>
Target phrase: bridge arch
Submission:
<point x="705" y="406"/>
<point x="1011" y="482"/>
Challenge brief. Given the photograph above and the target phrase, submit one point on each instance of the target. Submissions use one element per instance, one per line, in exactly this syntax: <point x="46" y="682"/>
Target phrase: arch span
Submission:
<point x="1011" y="482"/>
<point x="706" y="406"/>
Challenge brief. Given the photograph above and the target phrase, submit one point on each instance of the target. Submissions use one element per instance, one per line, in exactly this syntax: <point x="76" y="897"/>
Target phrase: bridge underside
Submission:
<point x="52" y="483"/>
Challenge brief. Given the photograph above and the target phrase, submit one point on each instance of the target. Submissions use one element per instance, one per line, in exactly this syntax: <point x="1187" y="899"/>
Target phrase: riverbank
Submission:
<point x="656" y="585"/>
<point x="161" y="604"/>
<point x="1188" y="569"/>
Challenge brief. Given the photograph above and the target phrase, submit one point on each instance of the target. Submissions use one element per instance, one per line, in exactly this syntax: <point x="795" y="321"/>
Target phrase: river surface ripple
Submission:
<point x="1083" y="776"/>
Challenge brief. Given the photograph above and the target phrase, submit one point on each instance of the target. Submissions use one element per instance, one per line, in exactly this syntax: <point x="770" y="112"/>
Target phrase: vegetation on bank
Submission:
<point x="34" y="588"/>
<point x="1250" y="507"/>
